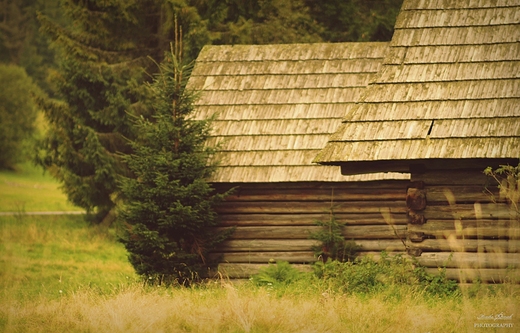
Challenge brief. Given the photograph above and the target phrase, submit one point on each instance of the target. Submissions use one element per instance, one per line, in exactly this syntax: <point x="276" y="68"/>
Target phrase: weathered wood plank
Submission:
<point x="469" y="229"/>
<point x="375" y="232"/>
<point x="376" y="255"/>
<point x="337" y="186"/>
<point x="274" y="232"/>
<point x="468" y="245"/>
<point x="304" y="232"/>
<point x="461" y="194"/>
<point x="283" y="245"/>
<point x="265" y="257"/>
<point x="432" y="224"/>
<point x="291" y="219"/>
<point x="470" y="211"/>
<point x="388" y="245"/>
<point x="494" y="275"/>
<point x="456" y="259"/>
<point x="273" y="245"/>
<point x="363" y="167"/>
<point x="290" y="207"/>
<point x="469" y="260"/>
<point x="327" y="195"/>
<point x="452" y="177"/>
<point x="427" y="259"/>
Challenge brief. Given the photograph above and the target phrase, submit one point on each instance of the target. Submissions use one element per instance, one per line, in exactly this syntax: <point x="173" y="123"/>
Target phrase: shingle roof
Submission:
<point x="449" y="88"/>
<point x="276" y="105"/>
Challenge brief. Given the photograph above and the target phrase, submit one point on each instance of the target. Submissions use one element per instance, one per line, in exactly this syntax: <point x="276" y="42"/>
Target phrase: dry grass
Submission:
<point x="228" y="308"/>
<point x="39" y="257"/>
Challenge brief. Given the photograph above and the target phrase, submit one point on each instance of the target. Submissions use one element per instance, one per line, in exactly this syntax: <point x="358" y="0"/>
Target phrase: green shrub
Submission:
<point x="17" y="115"/>
<point x="332" y="242"/>
<point x="365" y="275"/>
<point x="362" y="275"/>
<point x="437" y="284"/>
<point x="168" y="211"/>
<point x="277" y="274"/>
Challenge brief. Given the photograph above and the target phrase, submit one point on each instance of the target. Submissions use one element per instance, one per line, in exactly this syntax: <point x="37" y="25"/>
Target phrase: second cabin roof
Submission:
<point x="449" y="89"/>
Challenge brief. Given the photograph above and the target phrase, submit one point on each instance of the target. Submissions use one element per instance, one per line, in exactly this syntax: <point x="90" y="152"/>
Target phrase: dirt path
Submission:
<point x="43" y="213"/>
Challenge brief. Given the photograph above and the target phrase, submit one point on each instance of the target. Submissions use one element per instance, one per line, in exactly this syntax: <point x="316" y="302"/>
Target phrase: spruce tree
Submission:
<point x="20" y="42"/>
<point x="168" y="212"/>
<point x="259" y="21"/>
<point x="104" y="59"/>
<point x="101" y="57"/>
<point x="355" y="20"/>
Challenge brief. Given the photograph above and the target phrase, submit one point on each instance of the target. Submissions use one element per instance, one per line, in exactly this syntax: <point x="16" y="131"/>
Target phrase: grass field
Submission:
<point x="28" y="189"/>
<point x="59" y="274"/>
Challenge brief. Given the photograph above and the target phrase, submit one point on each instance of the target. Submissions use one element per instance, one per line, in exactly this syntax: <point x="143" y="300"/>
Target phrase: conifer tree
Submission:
<point x="104" y="58"/>
<point x="259" y="21"/>
<point x="169" y="205"/>
<point x="20" y="42"/>
<point x="13" y="31"/>
<point x="101" y="57"/>
<point x="355" y="20"/>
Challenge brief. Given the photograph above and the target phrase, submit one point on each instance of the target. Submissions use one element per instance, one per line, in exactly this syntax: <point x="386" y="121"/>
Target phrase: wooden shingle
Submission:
<point x="449" y="89"/>
<point x="276" y="105"/>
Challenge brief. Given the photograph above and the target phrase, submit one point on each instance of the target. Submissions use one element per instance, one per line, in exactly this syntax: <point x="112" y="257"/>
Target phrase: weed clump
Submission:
<point x="276" y="274"/>
<point x="332" y="242"/>
<point x="362" y="276"/>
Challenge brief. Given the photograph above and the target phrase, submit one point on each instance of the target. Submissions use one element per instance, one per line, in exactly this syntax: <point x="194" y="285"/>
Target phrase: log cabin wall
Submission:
<point x="274" y="220"/>
<point x="449" y="96"/>
<point x="457" y="220"/>
<point x="275" y="107"/>
<point x="452" y="219"/>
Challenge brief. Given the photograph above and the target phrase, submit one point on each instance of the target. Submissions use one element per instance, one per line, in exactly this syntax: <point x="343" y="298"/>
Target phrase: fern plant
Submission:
<point x="279" y="273"/>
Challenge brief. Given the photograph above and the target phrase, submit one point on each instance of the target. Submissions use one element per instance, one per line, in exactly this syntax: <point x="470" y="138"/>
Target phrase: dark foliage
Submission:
<point x="169" y="214"/>
<point x="355" y="20"/>
<point x="332" y="241"/>
<point x="98" y="83"/>
<point x="17" y="115"/>
<point x="365" y="275"/>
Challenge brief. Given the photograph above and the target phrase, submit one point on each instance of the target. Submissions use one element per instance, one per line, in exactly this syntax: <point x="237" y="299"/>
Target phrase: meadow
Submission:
<point x="28" y="189"/>
<point x="61" y="274"/>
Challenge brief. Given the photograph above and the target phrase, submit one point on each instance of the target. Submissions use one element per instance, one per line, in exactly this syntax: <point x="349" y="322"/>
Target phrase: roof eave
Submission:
<point x="421" y="165"/>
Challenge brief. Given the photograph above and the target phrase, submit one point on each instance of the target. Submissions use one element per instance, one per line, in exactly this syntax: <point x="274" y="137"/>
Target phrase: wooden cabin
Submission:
<point x="275" y="107"/>
<point x="445" y="106"/>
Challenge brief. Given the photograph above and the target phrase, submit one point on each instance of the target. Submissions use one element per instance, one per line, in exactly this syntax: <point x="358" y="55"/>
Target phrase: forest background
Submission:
<point x="74" y="72"/>
<point x="74" y="77"/>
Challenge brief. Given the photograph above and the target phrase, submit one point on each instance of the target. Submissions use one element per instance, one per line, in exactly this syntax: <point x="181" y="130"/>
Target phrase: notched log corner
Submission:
<point x="416" y="236"/>
<point x="415" y="252"/>
<point x="416" y="198"/>
<point x="415" y="218"/>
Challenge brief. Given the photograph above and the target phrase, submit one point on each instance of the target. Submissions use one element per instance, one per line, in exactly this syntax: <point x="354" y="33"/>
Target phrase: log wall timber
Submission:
<point x="273" y="221"/>
<point x="446" y="218"/>
<point x="463" y="225"/>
